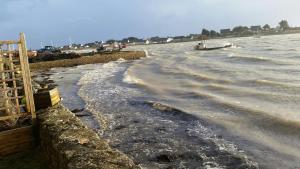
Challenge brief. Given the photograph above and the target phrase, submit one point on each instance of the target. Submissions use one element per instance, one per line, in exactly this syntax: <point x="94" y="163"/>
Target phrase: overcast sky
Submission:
<point x="92" y="20"/>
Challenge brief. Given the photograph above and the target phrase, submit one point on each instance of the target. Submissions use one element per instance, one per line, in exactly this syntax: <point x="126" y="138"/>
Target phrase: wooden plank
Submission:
<point x="10" y="80"/>
<point x="17" y="146"/>
<point x="3" y="42"/>
<point x="14" y="133"/>
<point x="46" y="99"/>
<point x="27" y="75"/>
<point x="17" y="97"/>
<point x="11" y="89"/>
<point x="9" y="71"/>
<point x="11" y="66"/>
<point x="16" y="140"/>
<point x="19" y="106"/>
<point x="53" y="92"/>
<point x="24" y="77"/>
<point x="14" y="61"/>
<point x="55" y="100"/>
<point x="13" y="116"/>
<point x="3" y="84"/>
<point x="9" y="52"/>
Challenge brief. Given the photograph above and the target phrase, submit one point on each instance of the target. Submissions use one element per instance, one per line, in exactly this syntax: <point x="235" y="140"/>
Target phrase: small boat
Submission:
<point x="201" y="46"/>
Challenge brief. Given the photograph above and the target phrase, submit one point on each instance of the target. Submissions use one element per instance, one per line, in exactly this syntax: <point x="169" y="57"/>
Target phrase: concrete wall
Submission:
<point x="68" y="144"/>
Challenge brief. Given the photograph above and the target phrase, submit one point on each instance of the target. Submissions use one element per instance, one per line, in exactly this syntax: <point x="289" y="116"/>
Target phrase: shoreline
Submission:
<point x="59" y="126"/>
<point x="74" y="102"/>
<point x="41" y="74"/>
<point x="83" y="60"/>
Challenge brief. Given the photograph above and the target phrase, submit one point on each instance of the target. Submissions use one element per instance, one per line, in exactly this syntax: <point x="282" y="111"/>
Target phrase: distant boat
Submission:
<point x="202" y="46"/>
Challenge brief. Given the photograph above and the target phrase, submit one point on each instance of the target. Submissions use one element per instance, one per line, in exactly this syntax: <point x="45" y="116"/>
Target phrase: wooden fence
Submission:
<point x="16" y="94"/>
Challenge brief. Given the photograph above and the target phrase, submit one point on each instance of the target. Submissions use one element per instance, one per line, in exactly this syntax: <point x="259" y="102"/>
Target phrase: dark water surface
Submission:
<point x="180" y="108"/>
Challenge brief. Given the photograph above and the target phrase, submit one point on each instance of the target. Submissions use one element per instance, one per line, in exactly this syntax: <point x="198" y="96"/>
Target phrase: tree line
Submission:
<point x="244" y="30"/>
<point x="238" y="30"/>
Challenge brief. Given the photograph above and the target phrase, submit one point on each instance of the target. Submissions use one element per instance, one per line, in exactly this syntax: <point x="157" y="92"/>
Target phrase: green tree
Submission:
<point x="267" y="27"/>
<point x="240" y="29"/>
<point x="213" y="33"/>
<point x="284" y="25"/>
<point x="110" y="41"/>
<point x="205" y="32"/>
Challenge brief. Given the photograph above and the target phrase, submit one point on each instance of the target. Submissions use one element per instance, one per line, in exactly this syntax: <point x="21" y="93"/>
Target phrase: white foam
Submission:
<point x="130" y="79"/>
<point x="101" y="72"/>
<point x="146" y="52"/>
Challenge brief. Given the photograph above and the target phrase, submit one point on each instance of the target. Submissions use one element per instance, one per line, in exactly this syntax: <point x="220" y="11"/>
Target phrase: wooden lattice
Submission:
<point x="16" y="94"/>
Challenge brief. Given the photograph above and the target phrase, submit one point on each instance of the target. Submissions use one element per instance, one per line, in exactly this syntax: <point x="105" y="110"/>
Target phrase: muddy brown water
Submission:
<point x="231" y="108"/>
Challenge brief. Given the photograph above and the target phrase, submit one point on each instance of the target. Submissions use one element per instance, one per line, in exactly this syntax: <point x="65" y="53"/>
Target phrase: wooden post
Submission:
<point x="26" y="76"/>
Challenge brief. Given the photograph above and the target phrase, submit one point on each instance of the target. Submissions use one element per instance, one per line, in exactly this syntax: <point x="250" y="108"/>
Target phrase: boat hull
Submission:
<point x="215" y="48"/>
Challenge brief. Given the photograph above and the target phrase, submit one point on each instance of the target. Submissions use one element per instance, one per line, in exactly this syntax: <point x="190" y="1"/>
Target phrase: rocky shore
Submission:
<point x="65" y="139"/>
<point x="68" y="144"/>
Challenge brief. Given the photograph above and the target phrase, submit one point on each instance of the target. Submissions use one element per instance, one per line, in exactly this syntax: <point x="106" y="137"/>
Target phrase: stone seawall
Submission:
<point x="68" y="144"/>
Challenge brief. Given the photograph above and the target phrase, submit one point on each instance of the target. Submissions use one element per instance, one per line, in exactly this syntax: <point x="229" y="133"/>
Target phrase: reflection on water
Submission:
<point x="186" y="108"/>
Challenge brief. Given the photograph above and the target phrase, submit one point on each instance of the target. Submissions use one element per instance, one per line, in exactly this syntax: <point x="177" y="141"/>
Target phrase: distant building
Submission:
<point x="225" y="31"/>
<point x="132" y="40"/>
<point x="277" y="29"/>
<point x="47" y="49"/>
<point x="92" y="45"/>
<point x="66" y="47"/>
<point x="256" y="28"/>
<point x="194" y="36"/>
<point x="157" y="39"/>
<point x="178" y="37"/>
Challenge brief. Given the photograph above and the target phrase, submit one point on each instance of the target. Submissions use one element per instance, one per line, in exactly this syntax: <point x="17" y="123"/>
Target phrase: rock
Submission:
<point x="120" y="127"/>
<point x="83" y="141"/>
<point x="77" y="110"/>
<point x="166" y="157"/>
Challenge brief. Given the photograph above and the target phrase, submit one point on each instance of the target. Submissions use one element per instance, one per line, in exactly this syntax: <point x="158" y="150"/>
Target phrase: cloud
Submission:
<point x="103" y="19"/>
<point x="9" y="9"/>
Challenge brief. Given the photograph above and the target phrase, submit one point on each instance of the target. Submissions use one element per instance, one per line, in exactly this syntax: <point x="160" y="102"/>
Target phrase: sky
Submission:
<point x="57" y="22"/>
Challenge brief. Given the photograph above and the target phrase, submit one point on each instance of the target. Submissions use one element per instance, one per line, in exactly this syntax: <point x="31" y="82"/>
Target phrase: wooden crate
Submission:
<point x="16" y="140"/>
<point x="46" y="98"/>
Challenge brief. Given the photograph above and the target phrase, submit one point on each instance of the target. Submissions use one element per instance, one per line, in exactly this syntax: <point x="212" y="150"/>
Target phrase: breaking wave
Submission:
<point x="182" y="108"/>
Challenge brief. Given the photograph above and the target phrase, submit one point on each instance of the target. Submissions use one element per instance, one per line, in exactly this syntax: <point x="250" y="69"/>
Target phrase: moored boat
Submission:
<point x="201" y="46"/>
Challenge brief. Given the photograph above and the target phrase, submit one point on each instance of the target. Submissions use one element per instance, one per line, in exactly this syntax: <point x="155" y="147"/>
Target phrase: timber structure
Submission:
<point x="16" y="96"/>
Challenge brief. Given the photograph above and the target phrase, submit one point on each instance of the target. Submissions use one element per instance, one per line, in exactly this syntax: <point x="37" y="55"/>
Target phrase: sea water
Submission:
<point x="182" y="108"/>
